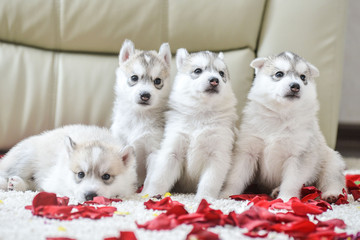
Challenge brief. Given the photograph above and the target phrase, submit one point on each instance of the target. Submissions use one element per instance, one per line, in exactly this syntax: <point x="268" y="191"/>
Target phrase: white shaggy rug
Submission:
<point x="18" y="223"/>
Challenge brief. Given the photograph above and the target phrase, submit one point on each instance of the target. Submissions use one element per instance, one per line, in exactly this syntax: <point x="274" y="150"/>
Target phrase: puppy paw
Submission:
<point x="275" y="193"/>
<point x="16" y="183"/>
<point x="3" y="183"/>
<point x="330" y="197"/>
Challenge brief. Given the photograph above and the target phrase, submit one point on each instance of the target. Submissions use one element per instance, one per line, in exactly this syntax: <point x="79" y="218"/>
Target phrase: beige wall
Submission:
<point x="350" y="104"/>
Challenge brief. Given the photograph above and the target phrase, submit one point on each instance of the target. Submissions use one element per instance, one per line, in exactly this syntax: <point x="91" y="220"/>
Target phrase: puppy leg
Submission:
<point x="214" y="175"/>
<point x="244" y="167"/>
<point x="3" y="183"/>
<point x="295" y="174"/>
<point x="331" y="180"/>
<point x="167" y="166"/>
<point x="16" y="183"/>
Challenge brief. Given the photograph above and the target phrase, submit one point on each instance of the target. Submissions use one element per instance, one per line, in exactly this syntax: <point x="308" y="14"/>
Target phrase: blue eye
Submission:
<point x="105" y="176"/>
<point x="134" y="78"/>
<point x="157" y="81"/>
<point x="279" y="74"/>
<point x="81" y="174"/>
<point x="198" y="71"/>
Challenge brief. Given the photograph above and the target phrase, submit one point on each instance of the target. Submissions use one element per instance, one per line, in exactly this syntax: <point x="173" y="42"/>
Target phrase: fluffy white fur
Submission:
<point x="137" y="119"/>
<point x="280" y="145"/>
<point x="52" y="161"/>
<point x="195" y="153"/>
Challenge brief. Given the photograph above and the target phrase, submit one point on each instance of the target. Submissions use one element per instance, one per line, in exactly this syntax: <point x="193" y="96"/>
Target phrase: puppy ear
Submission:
<point x="221" y="55"/>
<point x="70" y="144"/>
<point x="165" y="53"/>
<point x="257" y="64"/>
<point x="181" y="55"/>
<point x="313" y="70"/>
<point x="127" y="155"/>
<point x="126" y="51"/>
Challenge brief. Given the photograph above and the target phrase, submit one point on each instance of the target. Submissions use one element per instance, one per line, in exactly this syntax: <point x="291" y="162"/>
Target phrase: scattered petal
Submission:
<point x="124" y="235"/>
<point x="52" y="207"/>
<point x="200" y="233"/>
<point x="164" y="204"/>
<point x="102" y="200"/>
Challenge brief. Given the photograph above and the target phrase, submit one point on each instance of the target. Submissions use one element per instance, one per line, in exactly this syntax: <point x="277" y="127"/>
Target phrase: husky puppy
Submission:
<point x="195" y="154"/>
<point x="76" y="160"/>
<point x="142" y="90"/>
<point x="280" y="145"/>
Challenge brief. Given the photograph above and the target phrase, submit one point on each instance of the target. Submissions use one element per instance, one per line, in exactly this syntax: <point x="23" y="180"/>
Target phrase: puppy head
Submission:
<point x="201" y="74"/>
<point x="101" y="169"/>
<point x="284" y="78"/>
<point x="143" y="77"/>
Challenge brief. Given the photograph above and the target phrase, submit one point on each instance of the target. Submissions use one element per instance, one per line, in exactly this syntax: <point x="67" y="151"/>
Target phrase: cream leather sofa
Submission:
<point x="58" y="57"/>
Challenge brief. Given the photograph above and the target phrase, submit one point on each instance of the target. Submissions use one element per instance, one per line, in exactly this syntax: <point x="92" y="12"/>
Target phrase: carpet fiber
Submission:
<point x="16" y="222"/>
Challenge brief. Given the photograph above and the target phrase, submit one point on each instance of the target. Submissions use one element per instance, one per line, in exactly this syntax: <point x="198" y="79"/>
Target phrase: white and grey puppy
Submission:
<point x="195" y="154"/>
<point x="76" y="160"/>
<point x="142" y="90"/>
<point x="280" y="145"/>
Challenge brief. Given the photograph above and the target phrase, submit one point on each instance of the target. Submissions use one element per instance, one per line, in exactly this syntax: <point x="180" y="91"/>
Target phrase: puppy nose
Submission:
<point x="90" y="196"/>
<point x="294" y="87"/>
<point x="145" y="96"/>
<point x="214" y="82"/>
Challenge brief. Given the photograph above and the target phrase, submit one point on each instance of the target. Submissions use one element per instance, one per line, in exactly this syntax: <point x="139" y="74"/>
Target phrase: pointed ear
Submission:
<point x="70" y="144"/>
<point x="127" y="155"/>
<point x="181" y="55"/>
<point x="165" y="53"/>
<point x="221" y="55"/>
<point x="257" y="64"/>
<point x="313" y="70"/>
<point x="126" y="51"/>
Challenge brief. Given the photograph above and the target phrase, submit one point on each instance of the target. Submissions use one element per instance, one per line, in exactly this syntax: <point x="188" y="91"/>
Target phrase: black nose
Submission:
<point x="295" y="87"/>
<point x="214" y="82"/>
<point x="90" y="196"/>
<point x="145" y="96"/>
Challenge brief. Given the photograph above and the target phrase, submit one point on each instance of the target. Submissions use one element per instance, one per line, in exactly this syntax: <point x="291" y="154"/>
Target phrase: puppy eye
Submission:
<point x="157" y="81"/>
<point x="198" y="71"/>
<point x="105" y="176"/>
<point x="303" y="77"/>
<point x="279" y="74"/>
<point x="81" y="174"/>
<point x="222" y="74"/>
<point x="134" y="78"/>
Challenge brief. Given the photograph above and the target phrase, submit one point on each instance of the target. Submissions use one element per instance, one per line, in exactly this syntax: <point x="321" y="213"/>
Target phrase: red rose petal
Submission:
<point x="164" y="204"/>
<point x="102" y="200"/>
<point x="124" y="235"/>
<point x="303" y="209"/>
<point x="298" y="228"/>
<point x="44" y="199"/>
<point x="199" y="233"/>
<point x="177" y="210"/>
<point x="331" y="224"/>
<point x="342" y="198"/>
<point x="356" y="194"/>
<point x="250" y="197"/>
<point x="161" y="222"/>
<point x="52" y="207"/>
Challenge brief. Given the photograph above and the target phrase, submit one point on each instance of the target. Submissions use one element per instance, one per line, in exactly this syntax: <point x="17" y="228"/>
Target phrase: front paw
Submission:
<point x="331" y="197"/>
<point x="275" y="193"/>
<point x="16" y="183"/>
